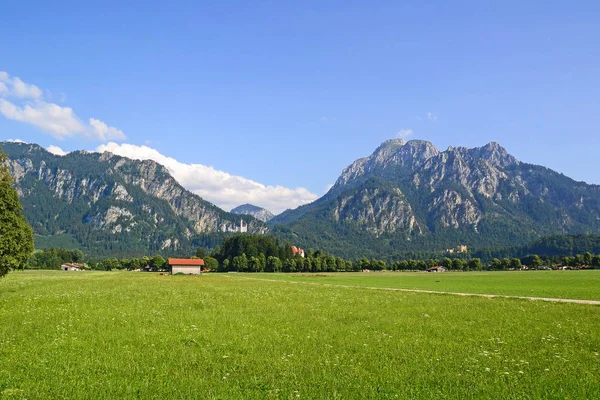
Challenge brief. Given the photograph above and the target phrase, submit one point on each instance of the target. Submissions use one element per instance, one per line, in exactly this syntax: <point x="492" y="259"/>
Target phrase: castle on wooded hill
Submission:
<point x="243" y="228"/>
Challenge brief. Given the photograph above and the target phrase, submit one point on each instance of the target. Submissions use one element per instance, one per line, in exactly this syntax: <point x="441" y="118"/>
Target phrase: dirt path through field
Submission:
<point x="489" y="296"/>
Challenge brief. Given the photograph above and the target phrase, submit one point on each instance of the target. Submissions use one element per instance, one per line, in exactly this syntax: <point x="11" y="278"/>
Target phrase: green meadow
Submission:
<point x="107" y="335"/>
<point x="583" y="285"/>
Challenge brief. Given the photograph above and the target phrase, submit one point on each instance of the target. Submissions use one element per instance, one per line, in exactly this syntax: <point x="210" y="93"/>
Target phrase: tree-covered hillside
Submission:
<point x="106" y="204"/>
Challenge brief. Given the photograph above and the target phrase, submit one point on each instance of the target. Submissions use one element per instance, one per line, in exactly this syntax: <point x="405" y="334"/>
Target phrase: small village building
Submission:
<point x="461" y="248"/>
<point x="437" y="269"/>
<point x="187" y="266"/>
<point x="297" y="250"/>
<point x="71" y="267"/>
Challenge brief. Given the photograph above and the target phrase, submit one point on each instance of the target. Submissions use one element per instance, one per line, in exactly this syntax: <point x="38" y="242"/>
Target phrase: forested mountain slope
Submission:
<point x="412" y="196"/>
<point x="105" y="203"/>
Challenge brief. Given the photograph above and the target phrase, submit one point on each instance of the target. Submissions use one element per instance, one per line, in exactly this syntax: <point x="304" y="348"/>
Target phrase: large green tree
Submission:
<point x="16" y="236"/>
<point x="157" y="262"/>
<point x="211" y="263"/>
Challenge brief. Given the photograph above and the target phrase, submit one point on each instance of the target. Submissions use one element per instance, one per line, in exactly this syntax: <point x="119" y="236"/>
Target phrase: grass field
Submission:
<point x="96" y="335"/>
<point x="583" y="285"/>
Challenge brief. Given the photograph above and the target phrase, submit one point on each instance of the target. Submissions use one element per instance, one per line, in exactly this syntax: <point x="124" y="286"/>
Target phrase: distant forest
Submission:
<point x="259" y="253"/>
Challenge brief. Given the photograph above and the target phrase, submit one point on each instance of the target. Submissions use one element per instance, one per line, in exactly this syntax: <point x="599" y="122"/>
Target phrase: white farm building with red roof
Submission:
<point x="188" y="266"/>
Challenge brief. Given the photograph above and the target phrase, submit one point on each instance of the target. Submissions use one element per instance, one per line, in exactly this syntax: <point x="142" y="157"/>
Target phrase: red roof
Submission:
<point x="186" y="261"/>
<point x="297" y="250"/>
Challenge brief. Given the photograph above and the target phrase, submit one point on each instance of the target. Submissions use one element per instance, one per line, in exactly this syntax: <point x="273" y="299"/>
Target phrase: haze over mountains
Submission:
<point x="406" y="196"/>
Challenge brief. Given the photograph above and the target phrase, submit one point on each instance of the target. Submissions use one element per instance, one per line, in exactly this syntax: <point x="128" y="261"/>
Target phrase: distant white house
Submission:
<point x="437" y="269"/>
<point x="71" y="267"/>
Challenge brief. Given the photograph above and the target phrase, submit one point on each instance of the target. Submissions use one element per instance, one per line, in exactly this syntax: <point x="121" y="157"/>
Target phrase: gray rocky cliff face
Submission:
<point x="377" y="211"/>
<point x="495" y="154"/>
<point x="154" y="180"/>
<point x="456" y="166"/>
<point x="454" y="211"/>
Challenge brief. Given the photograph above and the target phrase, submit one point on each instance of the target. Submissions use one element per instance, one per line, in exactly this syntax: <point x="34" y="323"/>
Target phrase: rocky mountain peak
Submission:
<point x="255" y="211"/>
<point x="413" y="147"/>
<point x="494" y="153"/>
<point x="395" y="153"/>
<point x="390" y="144"/>
<point x="420" y="148"/>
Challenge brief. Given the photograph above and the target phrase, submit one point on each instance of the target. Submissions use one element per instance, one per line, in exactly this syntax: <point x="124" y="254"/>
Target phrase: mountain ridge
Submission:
<point x="410" y="194"/>
<point x="103" y="199"/>
<point x="405" y="196"/>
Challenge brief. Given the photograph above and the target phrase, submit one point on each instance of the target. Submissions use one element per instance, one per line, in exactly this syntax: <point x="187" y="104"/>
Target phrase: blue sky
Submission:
<point x="286" y="94"/>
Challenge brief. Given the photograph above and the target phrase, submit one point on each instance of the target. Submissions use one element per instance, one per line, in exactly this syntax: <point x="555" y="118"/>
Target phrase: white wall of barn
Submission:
<point x="186" y="269"/>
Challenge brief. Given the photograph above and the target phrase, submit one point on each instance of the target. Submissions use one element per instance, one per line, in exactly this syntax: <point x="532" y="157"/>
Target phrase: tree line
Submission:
<point x="54" y="258"/>
<point x="259" y="253"/>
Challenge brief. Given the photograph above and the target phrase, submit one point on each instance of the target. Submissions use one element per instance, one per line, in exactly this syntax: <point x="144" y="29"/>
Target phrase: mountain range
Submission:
<point x="105" y="203"/>
<point x="410" y="196"/>
<point x="405" y="196"/>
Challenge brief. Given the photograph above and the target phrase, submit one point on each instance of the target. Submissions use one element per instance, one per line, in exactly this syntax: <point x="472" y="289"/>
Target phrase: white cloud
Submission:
<point x="328" y="187"/>
<point x="24" y="90"/>
<point x="404" y="133"/>
<point x="431" y="117"/>
<point x="221" y="188"/>
<point x="60" y="122"/>
<point x="104" y="132"/>
<point x="27" y="104"/>
<point x="15" y="87"/>
<point x="56" y="150"/>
